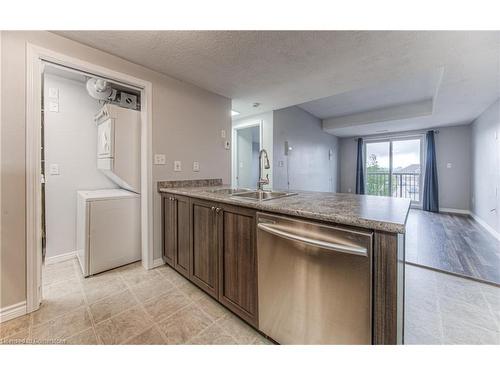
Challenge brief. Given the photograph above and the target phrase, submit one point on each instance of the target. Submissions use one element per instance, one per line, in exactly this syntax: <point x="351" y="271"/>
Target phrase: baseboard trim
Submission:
<point x="454" y="211"/>
<point x="12" y="311"/>
<point x="60" y="258"/>
<point x="486" y="226"/>
<point x="158" y="262"/>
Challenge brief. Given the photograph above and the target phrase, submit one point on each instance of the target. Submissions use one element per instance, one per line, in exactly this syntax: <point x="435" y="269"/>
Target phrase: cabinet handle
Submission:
<point x="213" y="208"/>
<point x="218" y="209"/>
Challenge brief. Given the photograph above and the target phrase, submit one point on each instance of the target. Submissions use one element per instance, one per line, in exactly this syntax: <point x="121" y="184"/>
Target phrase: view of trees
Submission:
<point x="377" y="179"/>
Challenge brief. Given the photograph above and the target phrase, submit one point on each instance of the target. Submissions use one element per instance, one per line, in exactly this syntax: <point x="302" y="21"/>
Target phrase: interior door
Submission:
<point x="247" y="156"/>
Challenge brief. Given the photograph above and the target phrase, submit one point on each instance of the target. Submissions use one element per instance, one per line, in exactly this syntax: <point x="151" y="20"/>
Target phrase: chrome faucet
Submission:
<point x="263" y="181"/>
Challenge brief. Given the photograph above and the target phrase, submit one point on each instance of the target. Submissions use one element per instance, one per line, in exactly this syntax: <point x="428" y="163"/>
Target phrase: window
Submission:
<point x="393" y="167"/>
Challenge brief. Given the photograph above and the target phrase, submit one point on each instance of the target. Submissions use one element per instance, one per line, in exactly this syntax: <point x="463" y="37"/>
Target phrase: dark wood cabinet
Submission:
<point x="214" y="245"/>
<point x="204" y="256"/>
<point x="238" y="261"/>
<point x="176" y="232"/>
<point x="169" y="229"/>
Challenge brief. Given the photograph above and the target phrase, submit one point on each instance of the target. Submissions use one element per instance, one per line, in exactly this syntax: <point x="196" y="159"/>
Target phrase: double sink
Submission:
<point x="253" y="195"/>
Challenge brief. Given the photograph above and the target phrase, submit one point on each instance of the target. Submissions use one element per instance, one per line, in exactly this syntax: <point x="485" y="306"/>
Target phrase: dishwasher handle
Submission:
<point x="354" y="250"/>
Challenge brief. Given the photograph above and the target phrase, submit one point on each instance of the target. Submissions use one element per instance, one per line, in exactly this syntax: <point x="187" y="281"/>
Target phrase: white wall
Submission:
<point x="485" y="197"/>
<point x="310" y="167"/>
<point x="187" y="124"/>
<point x="452" y="146"/>
<point x="267" y="140"/>
<point x="70" y="142"/>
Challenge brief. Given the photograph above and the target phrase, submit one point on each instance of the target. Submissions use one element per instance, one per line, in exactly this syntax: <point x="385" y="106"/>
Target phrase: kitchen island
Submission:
<point x="210" y="237"/>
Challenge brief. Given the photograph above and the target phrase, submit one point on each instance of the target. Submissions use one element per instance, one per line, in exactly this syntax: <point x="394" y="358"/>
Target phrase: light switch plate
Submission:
<point x="196" y="166"/>
<point x="53" y="92"/>
<point x="223" y="133"/>
<point x="177" y="166"/>
<point x="160" y="159"/>
<point x="281" y="163"/>
<point x="54" y="169"/>
<point x="53" y="106"/>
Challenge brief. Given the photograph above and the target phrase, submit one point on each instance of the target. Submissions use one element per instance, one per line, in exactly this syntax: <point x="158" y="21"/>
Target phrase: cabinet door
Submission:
<point x="182" y="235"/>
<point x="169" y="230"/>
<point x="204" y="257"/>
<point x="238" y="261"/>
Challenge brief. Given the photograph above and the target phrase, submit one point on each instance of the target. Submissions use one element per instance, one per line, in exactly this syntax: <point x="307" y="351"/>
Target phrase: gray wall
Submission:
<point x="187" y="124"/>
<point x="70" y="142"/>
<point x="452" y="146"/>
<point x="485" y="197"/>
<point x="309" y="165"/>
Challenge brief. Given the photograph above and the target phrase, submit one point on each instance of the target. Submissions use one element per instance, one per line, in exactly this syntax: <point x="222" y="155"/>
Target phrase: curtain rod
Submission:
<point x="389" y="136"/>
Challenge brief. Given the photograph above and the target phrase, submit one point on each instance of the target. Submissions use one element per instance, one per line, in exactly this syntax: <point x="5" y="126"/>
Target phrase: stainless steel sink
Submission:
<point x="261" y="195"/>
<point x="228" y="191"/>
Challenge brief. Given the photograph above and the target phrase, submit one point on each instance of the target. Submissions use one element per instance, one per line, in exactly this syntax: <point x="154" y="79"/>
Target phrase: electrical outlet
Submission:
<point x="281" y="163"/>
<point x="349" y="190"/>
<point x="160" y="159"/>
<point x="449" y="165"/>
<point x="196" y="166"/>
<point x="54" y="169"/>
<point x="223" y="133"/>
<point x="53" y="92"/>
<point x="53" y="107"/>
<point x="177" y="166"/>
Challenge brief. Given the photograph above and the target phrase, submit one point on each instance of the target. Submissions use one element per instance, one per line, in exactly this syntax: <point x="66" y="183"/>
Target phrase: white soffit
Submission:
<point x="397" y="112"/>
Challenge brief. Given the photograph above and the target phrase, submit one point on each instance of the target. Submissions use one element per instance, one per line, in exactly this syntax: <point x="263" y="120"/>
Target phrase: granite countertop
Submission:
<point x="365" y="211"/>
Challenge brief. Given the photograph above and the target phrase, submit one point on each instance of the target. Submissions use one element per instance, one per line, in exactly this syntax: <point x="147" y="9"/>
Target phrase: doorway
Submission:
<point x="247" y="143"/>
<point x="36" y="58"/>
<point x="393" y="168"/>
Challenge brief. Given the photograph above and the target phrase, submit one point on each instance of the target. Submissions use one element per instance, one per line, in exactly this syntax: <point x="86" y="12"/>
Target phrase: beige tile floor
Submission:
<point x="445" y="309"/>
<point x="130" y="305"/>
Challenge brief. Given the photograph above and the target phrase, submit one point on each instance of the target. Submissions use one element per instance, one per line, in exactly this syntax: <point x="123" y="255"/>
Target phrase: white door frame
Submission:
<point x="34" y="60"/>
<point x="234" y="146"/>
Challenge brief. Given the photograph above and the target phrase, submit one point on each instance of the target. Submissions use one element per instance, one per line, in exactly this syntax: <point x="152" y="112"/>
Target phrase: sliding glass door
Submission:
<point x="393" y="167"/>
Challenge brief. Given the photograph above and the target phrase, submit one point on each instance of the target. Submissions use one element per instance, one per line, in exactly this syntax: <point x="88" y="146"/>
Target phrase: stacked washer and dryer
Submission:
<point x="108" y="233"/>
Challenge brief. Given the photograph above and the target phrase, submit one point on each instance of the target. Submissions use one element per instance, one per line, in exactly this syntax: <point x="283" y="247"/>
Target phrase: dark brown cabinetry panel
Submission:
<point x="238" y="261"/>
<point x="204" y="257"/>
<point x="388" y="288"/>
<point x="176" y="232"/>
<point x="183" y="234"/>
<point x="169" y="229"/>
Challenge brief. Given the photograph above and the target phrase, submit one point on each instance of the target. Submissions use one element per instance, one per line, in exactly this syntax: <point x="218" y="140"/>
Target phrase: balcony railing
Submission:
<point x="404" y="185"/>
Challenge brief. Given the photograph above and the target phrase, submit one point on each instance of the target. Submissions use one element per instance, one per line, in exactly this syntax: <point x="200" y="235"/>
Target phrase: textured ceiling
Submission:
<point x="283" y="68"/>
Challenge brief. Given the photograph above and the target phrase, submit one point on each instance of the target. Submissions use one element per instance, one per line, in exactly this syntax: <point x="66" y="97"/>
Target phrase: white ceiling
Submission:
<point x="356" y="71"/>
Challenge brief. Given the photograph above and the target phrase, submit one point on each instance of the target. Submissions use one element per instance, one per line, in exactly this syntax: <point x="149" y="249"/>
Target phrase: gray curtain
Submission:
<point x="430" y="198"/>
<point x="360" y="178"/>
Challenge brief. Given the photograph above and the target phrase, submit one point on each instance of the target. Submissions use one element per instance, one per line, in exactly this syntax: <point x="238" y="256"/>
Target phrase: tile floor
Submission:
<point x="445" y="309"/>
<point x="130" y="305"/>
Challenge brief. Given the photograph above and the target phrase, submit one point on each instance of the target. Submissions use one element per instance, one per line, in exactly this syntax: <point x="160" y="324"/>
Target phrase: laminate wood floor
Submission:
<point x="453" y="243"/>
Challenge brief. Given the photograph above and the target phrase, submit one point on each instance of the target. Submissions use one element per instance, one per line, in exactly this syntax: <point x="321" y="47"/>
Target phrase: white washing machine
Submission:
<point x="108" y="233"/>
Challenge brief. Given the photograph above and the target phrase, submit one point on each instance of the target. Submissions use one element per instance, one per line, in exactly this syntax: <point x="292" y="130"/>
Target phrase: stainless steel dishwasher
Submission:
<point x="314" y="282"/>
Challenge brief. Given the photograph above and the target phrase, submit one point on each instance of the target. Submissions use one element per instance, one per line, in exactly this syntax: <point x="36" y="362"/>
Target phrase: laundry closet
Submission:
<point x="91" y="167"/>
